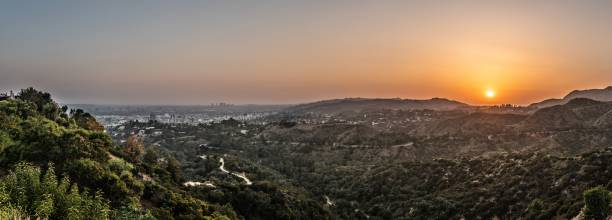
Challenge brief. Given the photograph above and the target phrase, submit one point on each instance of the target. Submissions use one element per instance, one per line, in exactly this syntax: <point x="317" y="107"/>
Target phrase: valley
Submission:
<point x="466" y="153"/>
<point x="402" y="161"/>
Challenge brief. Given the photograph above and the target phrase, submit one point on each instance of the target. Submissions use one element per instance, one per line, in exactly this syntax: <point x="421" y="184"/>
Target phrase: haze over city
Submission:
<point x="301" y="110"/>
<point x="198" y="52"/>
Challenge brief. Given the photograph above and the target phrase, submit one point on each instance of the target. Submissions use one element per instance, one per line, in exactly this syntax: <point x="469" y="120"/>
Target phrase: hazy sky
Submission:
<point x="197" y="52"/>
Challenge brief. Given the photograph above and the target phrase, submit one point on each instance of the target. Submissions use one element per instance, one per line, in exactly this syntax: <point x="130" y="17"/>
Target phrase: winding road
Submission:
<point x="240" y="175"/>
<point x="247" y="181"/>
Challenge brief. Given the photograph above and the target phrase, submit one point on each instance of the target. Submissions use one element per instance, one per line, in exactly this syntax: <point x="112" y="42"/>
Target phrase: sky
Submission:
<point x="279" y="52"/>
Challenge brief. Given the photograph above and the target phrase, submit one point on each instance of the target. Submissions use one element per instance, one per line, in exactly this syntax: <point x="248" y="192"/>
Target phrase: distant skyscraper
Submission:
<point x="152" y="117"/>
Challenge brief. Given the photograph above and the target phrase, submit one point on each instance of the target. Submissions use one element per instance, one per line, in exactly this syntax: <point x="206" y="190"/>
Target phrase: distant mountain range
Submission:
<point x="604" y="95"/>
<point x="364" y="104"/>
<point x="578" y="113"/>
<point x="335" y="106"/>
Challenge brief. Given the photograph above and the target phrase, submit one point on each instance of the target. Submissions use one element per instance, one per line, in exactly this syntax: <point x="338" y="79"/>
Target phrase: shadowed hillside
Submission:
<point x="361" y="104"/>
<point x="604" y="95"/>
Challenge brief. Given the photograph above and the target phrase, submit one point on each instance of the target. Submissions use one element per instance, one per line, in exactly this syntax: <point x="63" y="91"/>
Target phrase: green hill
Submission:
<point x="42" y="144"/>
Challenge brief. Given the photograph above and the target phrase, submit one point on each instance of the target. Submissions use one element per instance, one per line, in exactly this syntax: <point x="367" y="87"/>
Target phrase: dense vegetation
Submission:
<point x="271" y="196"/>
<point x="95" y="176"/>
<point x="376" y="179"/>
<point x="29" y="190"/>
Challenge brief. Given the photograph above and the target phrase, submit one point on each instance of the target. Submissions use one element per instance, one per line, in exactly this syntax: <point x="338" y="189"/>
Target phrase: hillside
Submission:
<point x="577" y="113"/>
<point x="337" y="106"/>
<point x="72" y="155"/>
<point x="372" y="181"/>
<point x="475" y="123"/>
<point x="505" y="187"/>
<point x="604" y="95"/>
<point x="124" y="180"/>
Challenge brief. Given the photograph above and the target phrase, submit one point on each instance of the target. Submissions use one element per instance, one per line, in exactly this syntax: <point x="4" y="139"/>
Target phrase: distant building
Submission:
<point x="4" y="96"/>
<point x="221" y="104"/>
<point x="152" y="117"/>
<point x="157" y="133"/>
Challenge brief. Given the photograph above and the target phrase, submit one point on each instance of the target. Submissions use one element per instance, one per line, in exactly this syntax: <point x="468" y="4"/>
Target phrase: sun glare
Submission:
<point x="490" y="93"/>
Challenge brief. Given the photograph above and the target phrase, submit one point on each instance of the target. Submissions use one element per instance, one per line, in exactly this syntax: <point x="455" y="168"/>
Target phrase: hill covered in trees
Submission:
<point x="374" y="179"/>
<point x="57" y="163"/>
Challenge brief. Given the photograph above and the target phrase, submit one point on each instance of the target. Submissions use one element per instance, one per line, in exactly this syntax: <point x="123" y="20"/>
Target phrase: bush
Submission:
<point x="26" y="191"/>
<point x="535" y="209"/>
<point x="596" y="203"/>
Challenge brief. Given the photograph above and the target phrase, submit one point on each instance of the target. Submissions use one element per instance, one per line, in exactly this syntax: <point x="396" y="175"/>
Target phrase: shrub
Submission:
<point x="26" y="191"/>
<point x="596" y="203"/>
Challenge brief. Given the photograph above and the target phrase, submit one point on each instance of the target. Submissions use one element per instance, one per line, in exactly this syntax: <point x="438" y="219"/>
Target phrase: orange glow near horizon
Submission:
<point x="271" y="53"/>
<point x="490" y="93"/>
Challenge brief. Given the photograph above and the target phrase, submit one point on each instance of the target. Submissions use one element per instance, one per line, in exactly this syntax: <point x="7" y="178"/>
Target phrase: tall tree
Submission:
<point x="85" y="120"/>
<point x="134" y="148"/>
<point x="42" y="100"/>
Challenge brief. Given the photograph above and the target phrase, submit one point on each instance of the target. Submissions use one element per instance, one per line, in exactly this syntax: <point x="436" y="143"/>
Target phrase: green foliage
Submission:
<point x="536" y="209"/>
<point x="42" y="140"/>
<point x="508" y="186"/>
<point x="364" y="171"/>
<point x="134" y="149"/>
<point x="151" y="156"/>
<point x="596" y="203"/>
<point x="41" y="195"/>
<point x="119" y="165"/>
<point x="5" y="140"/>
<point x="266" y="200"/>
<point x="94" y="174"/>
<point x="85" y="120"/>
<point x="11" y="213"/>
<point x="42" y="102"/>
<point x="176" y="205"/>
<point x="174" y="168"/>
<point x="35" y="132"/>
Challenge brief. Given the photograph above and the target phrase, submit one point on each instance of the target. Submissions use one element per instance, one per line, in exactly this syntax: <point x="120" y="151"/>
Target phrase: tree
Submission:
<point x="30" y="192"/>
<point x="596" y="203"/>
<point x="134" y="148"/>
<point x="151" y="157"/>
<point x="85" y="120"/>
<point x="174" y="168"/>
<point x="535" y="209"/>
<point x="33" y="137"/>
<point x="42" y="100"/>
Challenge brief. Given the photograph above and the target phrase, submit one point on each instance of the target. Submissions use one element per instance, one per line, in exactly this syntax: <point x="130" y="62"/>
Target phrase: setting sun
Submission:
<point x="490" y="93"/>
